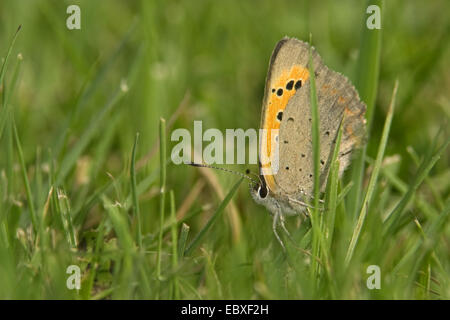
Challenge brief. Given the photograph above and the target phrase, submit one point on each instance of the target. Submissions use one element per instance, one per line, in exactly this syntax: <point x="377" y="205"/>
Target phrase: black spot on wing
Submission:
<point x="290" y="85"/>
<point x="280" y="115"/>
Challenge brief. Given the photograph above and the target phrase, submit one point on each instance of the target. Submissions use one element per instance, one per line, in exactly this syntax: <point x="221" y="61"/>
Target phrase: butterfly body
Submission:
<point x="277" y="203"/>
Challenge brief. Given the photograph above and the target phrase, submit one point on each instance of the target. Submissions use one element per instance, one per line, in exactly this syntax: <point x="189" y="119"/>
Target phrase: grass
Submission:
<point x="373" y="178"/>
<point x="78" y="187"/>
<point x="366" y="82"/>
<point x="162" y="190"/>
<point x="136" y="210"/>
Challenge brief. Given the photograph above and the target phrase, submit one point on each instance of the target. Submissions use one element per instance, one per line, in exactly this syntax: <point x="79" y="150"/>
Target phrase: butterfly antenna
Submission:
<point x="223" y="169"/>
<point x="254" y="175"/>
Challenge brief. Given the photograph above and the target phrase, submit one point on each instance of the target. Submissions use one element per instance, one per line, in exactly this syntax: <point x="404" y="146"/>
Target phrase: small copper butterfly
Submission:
<point x="286" y="107"/>
<point x="286" y="121"/>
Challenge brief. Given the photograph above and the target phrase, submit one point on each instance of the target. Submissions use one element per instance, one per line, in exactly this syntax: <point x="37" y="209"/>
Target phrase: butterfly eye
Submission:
<point x="262" y="191"/>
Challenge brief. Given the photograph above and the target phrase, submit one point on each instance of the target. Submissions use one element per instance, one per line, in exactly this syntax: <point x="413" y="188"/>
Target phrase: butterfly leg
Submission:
<point x="283" y="225"/>
<point x="276" y="217"/>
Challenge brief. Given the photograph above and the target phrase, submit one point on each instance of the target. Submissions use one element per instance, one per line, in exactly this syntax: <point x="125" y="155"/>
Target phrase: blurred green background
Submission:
<point x="204" y="60"/>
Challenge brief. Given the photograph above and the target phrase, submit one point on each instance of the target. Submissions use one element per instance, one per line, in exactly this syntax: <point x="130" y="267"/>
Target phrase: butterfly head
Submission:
<point x="260" y="192"/>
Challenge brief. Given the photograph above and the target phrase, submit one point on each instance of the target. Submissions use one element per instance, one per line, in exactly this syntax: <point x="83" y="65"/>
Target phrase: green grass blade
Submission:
<point x="86" y="289"/>
<point x="184" y="232"/>
<point x="25" y="178"/>
<point x="373" y="178"/>
<point x="427" y="164"/>
<point x="66" y="218"/>
<point x="197" y="240"/>
<point x="134" y="193"/>
<point x="94" y="199"/>
<point x="173" y="218"/>
<point x="369" y="63"/>
<point x="88" y="90"/>
<point x="122" y="230"/>
<point x="173" y="230"/>
<point x="316" y="216"/>
<point x="5" y="62"/>
<point x="368" y="69"/>
<point x="437" y="197"/>
<point x="3" y="117"/>
<point x="344" y="192"/>
<point x="4" y="111"/>
<point x="162" y="158"/>
<point x="71" y="157"/>
<point x="331" y="198"/>
<point x="425" y="246"/>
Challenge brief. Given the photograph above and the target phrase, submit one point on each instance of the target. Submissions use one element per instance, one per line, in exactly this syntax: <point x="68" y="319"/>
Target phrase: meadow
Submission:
<point x="86" y="177"/>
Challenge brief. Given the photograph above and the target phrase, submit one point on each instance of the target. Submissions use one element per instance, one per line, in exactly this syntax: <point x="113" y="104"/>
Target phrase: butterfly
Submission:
<point x="286" y="166"/>
<point x="286" y="169"/>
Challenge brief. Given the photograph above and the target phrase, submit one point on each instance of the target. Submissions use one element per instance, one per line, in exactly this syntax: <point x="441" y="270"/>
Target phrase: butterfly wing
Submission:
<point x="338" y="102"/>
<point x="287" y="74"/>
